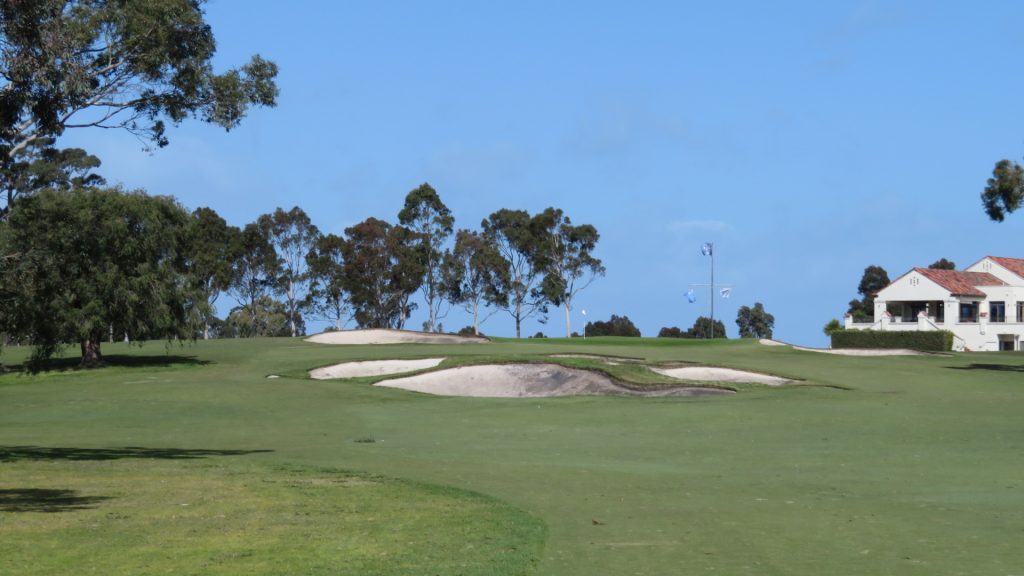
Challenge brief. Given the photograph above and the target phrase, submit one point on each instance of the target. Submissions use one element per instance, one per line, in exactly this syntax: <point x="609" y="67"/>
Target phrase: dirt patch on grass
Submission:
<point x="379" y="336"/>
<point x="372" y="368"/>
<point x="530" y="381"/>
<point x="712" y="374"/>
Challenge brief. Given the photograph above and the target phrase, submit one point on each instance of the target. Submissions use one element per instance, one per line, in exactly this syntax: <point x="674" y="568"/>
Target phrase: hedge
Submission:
<point x="935" y="341"/>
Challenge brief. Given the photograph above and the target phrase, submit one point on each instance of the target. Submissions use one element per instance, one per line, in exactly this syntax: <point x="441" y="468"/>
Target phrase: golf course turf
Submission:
<point x="189" y="460"/>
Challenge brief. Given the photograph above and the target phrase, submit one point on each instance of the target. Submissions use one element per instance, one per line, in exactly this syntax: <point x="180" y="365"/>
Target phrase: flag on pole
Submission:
<point x="707" y="248"/>
<point x="584" y="312"/>
<point x="726" y="292"/>
<point x="691" y="296"/>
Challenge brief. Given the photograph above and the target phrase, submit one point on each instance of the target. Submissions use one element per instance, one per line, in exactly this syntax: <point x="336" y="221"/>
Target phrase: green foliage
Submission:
<point x="519" y="239"/>
<point x="41" y="166"/>
<point x="702" y="327"/>
<point x="1004" y="191"/>
<point x="935" y="341"/>
<point x="431" y="223"/>
<point x="874" y="279"/>
<point x="672" y="332"/>
<point x="210" y="245"/>
<point x="381" y="271"/>
<point x="567" y="254"/>
<point x="265" y="317"/>
<point x="115" y="64"/>
<point x="73" y="276"/>
<point x="293" y="236"/>
<point x="327" y="296"/>
<point x="474" y="274"/>
<point x="943" y="264"/>
<point x="615" y="326"/>
<point x="833" y="326"/>
<point x="754" y="322"/>
<point x="255" y="267"/>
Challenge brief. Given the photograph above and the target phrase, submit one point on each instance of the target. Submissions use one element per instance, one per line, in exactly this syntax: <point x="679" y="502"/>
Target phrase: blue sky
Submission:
<point x="807" y="140"/>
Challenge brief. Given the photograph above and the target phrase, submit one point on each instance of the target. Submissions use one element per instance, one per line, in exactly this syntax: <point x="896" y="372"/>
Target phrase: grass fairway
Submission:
<point x="876" y="465"/>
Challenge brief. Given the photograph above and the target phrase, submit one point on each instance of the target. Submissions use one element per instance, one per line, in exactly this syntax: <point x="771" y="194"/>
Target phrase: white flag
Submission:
<point x="726" y="292"/>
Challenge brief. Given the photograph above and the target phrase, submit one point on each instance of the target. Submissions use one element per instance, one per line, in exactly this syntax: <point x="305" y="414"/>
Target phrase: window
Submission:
<point x="968" y="311"/>
<point x="1020" y="311"/>
<point x="997" y="311"/>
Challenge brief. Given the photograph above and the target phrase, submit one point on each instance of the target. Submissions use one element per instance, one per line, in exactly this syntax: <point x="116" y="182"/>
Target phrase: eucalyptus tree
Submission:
<point x="381" y="271"/>
<point x="1004" y="191"/>
<point x="474" y="275"/>
<point x="134" y="66"/>
<point x="569" y="263"/>
<point x="327" y="296"/>
<point x="253" y="270"/>
<point x="519" y="239"/>
<point x="41" y="166"/>
<point x="431" y="222"/>
<point x="86" y="260"/>
<point x="292" y="235"/>
<point x="755" y="322"/>
<point x="211" y="247"/>
<point x="874" y="279"/>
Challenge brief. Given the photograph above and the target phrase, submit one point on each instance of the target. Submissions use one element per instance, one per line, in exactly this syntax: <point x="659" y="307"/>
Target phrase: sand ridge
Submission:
<point x="373" y="368"/>
<point x="713" y="374"/>
<point x="849" y="351"/>
<point x="383" y="336"/>
<point x="529" y="381"/>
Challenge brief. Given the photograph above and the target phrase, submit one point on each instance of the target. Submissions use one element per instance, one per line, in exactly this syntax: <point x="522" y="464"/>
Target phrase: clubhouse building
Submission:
<point x="983" y="306"/>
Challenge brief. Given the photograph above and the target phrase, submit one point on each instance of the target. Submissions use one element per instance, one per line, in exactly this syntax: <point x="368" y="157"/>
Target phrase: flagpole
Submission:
<point x="712" y="299"/>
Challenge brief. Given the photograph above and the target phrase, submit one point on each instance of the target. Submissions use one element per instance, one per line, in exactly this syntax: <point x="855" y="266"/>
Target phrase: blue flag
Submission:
<point x="706" y="248"/>
<point x="691" y="296"/>
<point x="726" y="292"/>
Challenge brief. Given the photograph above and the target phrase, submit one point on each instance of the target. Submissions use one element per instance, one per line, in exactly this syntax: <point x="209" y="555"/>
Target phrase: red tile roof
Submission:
<point x="961" y="283"/>
<point x="1015" y="265"/>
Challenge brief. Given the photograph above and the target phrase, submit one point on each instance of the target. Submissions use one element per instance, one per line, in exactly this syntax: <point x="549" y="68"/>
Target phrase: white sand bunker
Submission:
<point x="850" y="351"/>
<point x="380" y="336"/>
<point x="528" y="381"/>
<point x="710" y="374"/>
<point x="372" y="368"/>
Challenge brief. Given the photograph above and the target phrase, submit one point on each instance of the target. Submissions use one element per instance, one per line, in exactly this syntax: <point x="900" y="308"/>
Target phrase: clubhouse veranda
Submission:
<point x="982" y="305"/>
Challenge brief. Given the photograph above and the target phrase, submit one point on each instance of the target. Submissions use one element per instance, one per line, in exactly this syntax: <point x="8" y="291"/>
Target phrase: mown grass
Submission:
<point x="913" y="468"/>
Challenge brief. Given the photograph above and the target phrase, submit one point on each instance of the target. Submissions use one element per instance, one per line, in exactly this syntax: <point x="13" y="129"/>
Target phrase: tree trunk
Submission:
<point x="518" y="319"/>
<point x="476" y="321"/>
<point x="568" y="325"/>
<point x="91" y="355"/>
<point x="291" y="306"/>
<point x="206" y="330"/>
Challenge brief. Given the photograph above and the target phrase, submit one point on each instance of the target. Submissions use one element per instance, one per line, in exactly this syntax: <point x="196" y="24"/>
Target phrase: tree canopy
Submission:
<point x="874" y="279"/>
<point x="519" y="239"/>
<point x="475" y="275"/>
<point x="569" y="263"/>
<point x="381" y="271"/>
<point x="615" y="326"/>
<point x="1004" y="191"/>
<point x="755" y="322"/>
<point x="115" y="64"/>
<point x="431" y="223"/>
<point x="77" y="279"/>
<point x="943" y="264"/>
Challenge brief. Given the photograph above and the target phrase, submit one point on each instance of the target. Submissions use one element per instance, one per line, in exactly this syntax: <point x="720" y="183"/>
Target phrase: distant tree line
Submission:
<point x="88" y="264"/>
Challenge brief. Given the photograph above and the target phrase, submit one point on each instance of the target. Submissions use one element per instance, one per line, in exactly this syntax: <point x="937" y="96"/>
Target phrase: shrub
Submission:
<point x="538" y="335"/>
<point x="468" y="331"/>
<point x="935" y="341"/>
<point x="832" y="327"/>
<point x="673" y="332"/>
<point x="615" y="326"/>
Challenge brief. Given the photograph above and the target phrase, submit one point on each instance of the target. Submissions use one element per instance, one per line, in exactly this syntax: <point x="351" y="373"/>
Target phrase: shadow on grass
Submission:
<point x="993" y="367"/>
<point x="45" y="500"/>
<point x="114" y="360"/>
<point x="16" y="453"/>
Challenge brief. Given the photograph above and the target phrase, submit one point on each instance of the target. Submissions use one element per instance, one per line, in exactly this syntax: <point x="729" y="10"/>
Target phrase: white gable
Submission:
<point x="912" y="286"/>
<point x="989" y="265"/>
